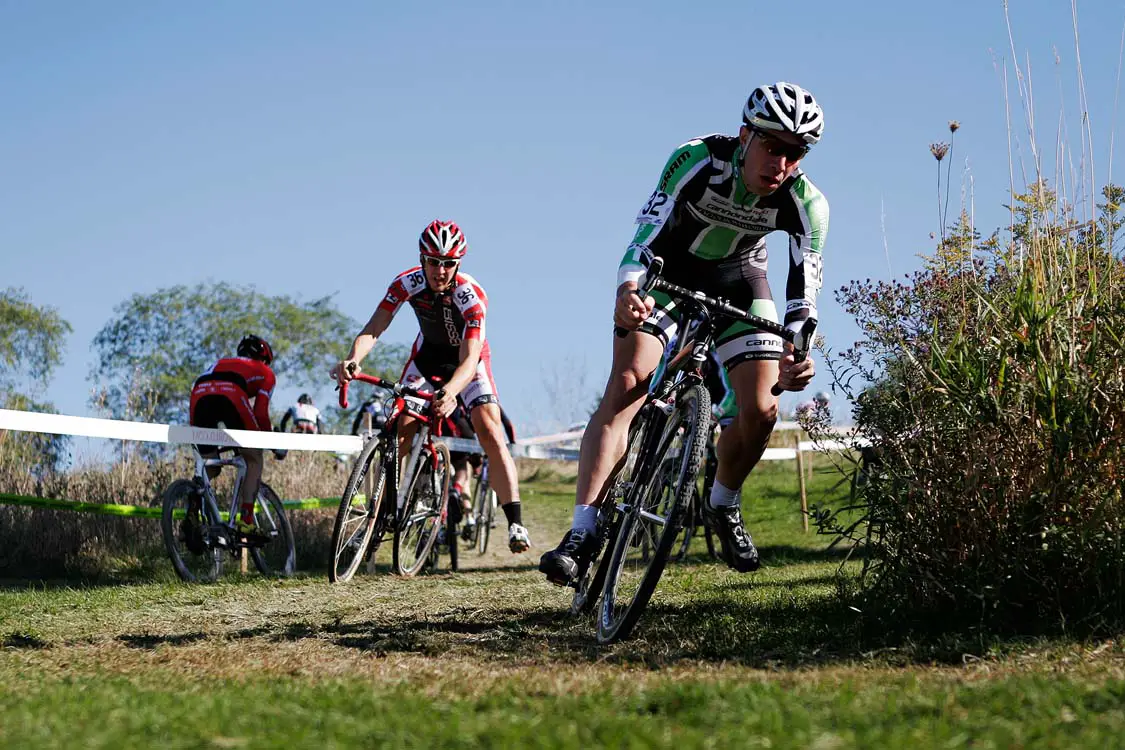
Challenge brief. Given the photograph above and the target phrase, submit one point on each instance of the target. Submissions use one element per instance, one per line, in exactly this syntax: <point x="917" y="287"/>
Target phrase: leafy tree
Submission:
<point x="31" y="341"/>
<point x="31" y="347"/>
<point x="150" y="353"/>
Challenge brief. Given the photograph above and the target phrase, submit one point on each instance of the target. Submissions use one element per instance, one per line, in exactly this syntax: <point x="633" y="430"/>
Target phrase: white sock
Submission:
<point x="724" y="496"/>
<point x="585" y="518"/>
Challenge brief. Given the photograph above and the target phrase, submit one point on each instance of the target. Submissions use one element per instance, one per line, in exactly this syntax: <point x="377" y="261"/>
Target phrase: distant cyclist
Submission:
<point x="451" y="346"/>
<point x="715" y="201"/>
<point x="221" y="397"/>
<point x="306" y="417"/>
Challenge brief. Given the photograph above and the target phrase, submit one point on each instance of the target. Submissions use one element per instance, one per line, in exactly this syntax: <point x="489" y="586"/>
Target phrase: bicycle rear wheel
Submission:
<point x="355" y="521"/>
<point x="653" y="512"/>
<point x="184" y="526"/>
<point x="278" y="556"/>
<point x="417" y="524"/>
<point x="484" y="505"/>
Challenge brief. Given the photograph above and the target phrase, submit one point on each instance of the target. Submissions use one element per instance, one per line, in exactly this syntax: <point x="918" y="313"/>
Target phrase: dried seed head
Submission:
<point x="953" y="126"/>
<point x="939" y="150"/>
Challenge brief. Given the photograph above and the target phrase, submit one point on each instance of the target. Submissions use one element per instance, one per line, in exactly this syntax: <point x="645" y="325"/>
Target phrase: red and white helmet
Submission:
<point x="443" y="239"/>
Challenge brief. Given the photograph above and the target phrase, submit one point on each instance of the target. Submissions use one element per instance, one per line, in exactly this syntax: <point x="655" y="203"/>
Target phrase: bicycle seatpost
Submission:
<point x="651" y="275"/>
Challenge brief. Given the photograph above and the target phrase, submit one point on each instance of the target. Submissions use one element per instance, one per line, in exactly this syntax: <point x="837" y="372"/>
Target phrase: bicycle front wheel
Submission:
<point x="653" y="513"/>
<point x="416" y="529"/>
<point x="278" y="556"/>
<point x="355" y="519"/>
<point x="185" y="528"/>
<point x="591" y="581"/>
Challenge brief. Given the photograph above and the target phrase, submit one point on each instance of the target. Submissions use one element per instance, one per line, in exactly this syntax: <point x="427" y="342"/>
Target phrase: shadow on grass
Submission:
<point x="780" y="631"/>
<point x="150" y="641"/>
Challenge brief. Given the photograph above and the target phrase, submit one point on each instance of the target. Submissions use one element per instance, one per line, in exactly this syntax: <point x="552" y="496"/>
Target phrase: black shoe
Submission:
<point x="563" y="564"/>
<point x="738" y="550"/>
<point x="455" y="509"/>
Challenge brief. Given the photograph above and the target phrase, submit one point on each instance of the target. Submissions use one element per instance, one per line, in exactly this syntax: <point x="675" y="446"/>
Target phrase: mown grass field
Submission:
<point x="489" y="658"/>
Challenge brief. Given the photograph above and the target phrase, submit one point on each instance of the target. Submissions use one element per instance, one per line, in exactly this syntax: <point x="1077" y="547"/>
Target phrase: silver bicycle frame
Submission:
<point x="201" y="465"/>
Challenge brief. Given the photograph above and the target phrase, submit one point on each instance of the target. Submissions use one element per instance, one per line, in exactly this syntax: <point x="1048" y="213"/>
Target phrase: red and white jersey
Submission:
<point x="239" y="379"/>
<point x="445" y="319"/>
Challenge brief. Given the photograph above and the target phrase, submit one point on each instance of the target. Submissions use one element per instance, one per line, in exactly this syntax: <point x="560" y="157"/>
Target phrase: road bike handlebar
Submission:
<point x="397" y="388"/>
<point x="801" y="340"/>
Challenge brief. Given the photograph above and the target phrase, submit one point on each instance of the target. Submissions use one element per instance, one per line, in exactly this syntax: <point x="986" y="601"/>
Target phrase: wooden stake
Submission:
<point x="801" y="481"/>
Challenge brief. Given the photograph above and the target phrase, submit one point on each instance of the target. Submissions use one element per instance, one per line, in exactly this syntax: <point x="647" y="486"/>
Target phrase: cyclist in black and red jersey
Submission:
<point x="221" y="397"/>
<point x="450" y="306"/>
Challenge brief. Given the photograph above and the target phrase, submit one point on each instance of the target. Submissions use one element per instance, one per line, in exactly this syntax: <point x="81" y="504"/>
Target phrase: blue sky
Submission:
<point x="146" y="144"/>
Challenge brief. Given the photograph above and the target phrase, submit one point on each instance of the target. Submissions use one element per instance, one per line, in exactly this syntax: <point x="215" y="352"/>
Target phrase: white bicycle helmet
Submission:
<point x="784" y="107"/>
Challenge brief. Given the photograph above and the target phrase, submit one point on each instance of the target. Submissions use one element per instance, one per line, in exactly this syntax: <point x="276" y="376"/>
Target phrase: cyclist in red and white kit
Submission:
<point x="451" y="346"/>
<point x="221" y="397"/>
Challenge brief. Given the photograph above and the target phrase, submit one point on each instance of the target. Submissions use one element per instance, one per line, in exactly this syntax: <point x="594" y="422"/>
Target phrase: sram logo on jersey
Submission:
<point x="676" y="164"/>
<point x="716" y="209"/>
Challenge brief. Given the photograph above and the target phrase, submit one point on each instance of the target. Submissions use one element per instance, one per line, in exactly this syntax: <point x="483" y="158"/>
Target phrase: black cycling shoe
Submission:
<point x="562" y="564"/>
<point x="456" y="512"/>
<point x="738" y="550"/>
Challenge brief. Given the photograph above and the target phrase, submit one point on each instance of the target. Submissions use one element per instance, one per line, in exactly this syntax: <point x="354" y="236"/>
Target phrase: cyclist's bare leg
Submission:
<point x="502" y="472"/>
<point x="603" y="443"/>
<point x="461" y="479"/>
<point x="742" y="443"/>
<point x="249" y="490"/>
<point x="502" y="469"/>
<point x="407" y="429"/>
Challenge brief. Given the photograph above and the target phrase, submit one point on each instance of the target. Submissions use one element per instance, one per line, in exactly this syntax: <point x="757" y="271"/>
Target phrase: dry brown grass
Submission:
<point x="40" y="543"/>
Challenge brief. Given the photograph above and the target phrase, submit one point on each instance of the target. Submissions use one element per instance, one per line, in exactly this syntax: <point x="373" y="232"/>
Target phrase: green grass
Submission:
<point x="488" y="657"/>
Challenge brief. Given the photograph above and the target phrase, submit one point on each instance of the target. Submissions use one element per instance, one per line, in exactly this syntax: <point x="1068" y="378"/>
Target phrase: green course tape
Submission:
<point x="137" y="511"/>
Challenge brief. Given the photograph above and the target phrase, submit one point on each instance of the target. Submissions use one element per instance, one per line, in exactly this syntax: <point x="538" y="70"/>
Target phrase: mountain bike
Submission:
<point x="648" y="501"/>
<point x="198" y="536"/>
<point x="420" y="491"/>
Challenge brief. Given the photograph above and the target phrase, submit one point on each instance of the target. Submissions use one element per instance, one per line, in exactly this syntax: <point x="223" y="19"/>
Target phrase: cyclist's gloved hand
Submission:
<point x="280" y="453"/>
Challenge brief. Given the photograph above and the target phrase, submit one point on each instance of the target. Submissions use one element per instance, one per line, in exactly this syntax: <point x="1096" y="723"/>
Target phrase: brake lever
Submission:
<point x="802" y="343"/>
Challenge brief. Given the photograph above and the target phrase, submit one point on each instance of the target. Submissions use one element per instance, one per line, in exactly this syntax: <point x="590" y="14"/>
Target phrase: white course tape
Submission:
<point x="117" y="429"/>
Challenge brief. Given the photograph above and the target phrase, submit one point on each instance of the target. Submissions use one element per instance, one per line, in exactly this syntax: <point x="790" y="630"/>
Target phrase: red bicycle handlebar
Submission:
<point x="373" y="380"/>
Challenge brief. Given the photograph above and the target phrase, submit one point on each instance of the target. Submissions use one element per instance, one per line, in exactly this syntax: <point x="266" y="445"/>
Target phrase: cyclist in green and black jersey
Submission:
<point x="716" y="200"/>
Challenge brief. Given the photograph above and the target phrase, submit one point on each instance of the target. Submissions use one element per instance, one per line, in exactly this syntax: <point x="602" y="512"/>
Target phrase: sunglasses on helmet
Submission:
<point x="777" y="147"/>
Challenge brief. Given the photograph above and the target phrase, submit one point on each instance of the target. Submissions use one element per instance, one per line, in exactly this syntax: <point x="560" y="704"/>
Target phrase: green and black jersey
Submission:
<point x="710" y="230"/>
